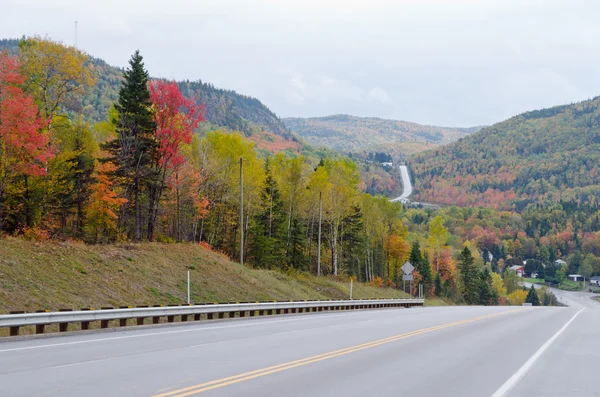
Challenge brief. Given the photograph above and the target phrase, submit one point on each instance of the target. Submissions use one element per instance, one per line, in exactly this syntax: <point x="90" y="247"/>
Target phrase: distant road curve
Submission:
<point x="406" y="184"/>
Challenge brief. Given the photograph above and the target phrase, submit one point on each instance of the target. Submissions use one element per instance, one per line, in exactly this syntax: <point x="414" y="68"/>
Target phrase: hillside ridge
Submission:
<point x="349" y="133"/>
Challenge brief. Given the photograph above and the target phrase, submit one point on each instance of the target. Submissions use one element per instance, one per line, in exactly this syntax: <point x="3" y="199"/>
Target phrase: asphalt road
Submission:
<point x="405" y="183"/>
<point x="453" y="351"/>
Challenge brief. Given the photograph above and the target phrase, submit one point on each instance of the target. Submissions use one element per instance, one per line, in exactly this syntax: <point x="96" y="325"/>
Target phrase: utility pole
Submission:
<point x="319" y="247"/>
<point x="241" y="211"/>
<point x="76" y="22"/>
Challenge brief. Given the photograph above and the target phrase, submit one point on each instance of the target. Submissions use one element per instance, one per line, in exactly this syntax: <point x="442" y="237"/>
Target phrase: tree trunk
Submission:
<point x="138" y="211"/>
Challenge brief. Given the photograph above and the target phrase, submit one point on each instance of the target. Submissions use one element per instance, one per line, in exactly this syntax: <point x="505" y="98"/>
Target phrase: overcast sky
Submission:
<point x="442" y="62"/>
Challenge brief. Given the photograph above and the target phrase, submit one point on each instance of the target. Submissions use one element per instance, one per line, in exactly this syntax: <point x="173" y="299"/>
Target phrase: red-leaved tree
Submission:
<point x="176" y="117"/>
<point x="24" y="147"/>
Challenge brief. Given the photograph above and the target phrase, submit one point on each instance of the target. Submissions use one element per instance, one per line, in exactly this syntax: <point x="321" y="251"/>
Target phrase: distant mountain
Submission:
<point x="354" y="134"/>
<point x="224" y="108"/>
<point x="534" y="159"/>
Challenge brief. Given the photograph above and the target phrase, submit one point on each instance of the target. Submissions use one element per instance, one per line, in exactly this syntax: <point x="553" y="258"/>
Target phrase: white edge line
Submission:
<point x="516" y="377"/>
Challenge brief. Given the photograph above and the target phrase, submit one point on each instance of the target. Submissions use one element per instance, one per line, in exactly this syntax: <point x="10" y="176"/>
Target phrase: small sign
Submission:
<point x="407" y="277"/>
<point x="408" y="268"/>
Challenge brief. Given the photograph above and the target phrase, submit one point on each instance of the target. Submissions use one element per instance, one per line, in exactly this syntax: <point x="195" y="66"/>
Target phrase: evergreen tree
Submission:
<point x="439" y="289"/>
<point x="267" y="231"/>
<point x="470" y="278"/>
<point x="134" y="149"/>
<point x="532" y="297"/>
<point x="296" y="253"/>
<point x="494" y="266"/>
<point x="485" y="255"/>
<point x="541" y="272"/>
<point x="487" y="294"/>
<point x="421" y="264"/>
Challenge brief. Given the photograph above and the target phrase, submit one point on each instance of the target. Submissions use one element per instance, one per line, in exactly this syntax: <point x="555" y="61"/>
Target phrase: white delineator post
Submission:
<point x="188" y="289"/>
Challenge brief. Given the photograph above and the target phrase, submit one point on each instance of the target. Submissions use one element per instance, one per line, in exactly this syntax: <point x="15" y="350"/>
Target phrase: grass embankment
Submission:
<point x="566" y="285"/>
<point x="532" y="280"/>
<point x="52" y="275"/>
<point x="569" y="285"/>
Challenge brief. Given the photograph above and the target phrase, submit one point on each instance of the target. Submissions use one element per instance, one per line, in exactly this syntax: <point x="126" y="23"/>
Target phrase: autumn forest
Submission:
<point x="161" y="161"/>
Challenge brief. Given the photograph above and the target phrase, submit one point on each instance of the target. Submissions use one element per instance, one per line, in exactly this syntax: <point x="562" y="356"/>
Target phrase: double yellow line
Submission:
<point x="203" y="387"/>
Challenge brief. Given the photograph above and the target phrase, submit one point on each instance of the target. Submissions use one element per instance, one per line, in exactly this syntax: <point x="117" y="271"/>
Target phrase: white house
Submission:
<point x="560" y="262"/>
<point x="575" y="277"/>
<point x="595" y="280"/>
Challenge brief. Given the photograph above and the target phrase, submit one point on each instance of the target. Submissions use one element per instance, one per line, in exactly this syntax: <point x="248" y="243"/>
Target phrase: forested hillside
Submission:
<point x="355" y="134"/>
<point x="143" y="174"/>
<point x="534" y="159"/>
<point x="223" y="108"/>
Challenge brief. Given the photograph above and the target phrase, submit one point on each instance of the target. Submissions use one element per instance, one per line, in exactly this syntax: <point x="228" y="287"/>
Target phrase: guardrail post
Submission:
<point x="156" y="319"/>
<point x="64" y="327"/>
<point x="85" y="325"/>
<point x="39" y="328"/>
<point x="170" y="319"/>
<point x="140" y="320"/>
<point x="104" y="323"/>
<point x="123" y="321"/>
<point x="14" y="331"/>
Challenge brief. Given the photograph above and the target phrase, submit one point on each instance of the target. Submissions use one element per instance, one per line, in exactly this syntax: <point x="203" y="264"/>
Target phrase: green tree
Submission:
<point x="586" y="270"/>
<point x="532" y="297"/>
<point x="438" y="286"/>
<point x="421" y="264"/>
<point x="511" y="281"/>
<point x="438" y="235"/>
<point x="134" y="148"/>
<point x="469" y="277"/>
<point x="487" y="294"/>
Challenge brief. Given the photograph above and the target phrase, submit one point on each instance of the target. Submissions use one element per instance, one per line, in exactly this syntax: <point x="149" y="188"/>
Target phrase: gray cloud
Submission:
<point x="459" y="63"/>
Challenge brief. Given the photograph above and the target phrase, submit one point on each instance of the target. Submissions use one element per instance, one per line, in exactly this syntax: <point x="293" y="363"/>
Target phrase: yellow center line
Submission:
<point x="200" y="388"/>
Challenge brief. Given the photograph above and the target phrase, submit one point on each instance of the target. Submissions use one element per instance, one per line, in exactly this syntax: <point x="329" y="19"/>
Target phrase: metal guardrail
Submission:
<point x="64" y="318"/>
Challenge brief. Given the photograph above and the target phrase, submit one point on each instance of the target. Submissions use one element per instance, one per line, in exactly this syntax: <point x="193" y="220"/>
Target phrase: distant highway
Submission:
<point x="435" y="351"/>
<point x="406" y="184"/>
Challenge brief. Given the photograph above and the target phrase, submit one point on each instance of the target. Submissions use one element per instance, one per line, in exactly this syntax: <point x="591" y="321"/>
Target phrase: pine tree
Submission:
<point x="421" y="264"/>
<point x="268" y="229"/>
<point x="134" y="149"/>
<point x="487" y="294"/>
<point x="532" y="297"/>
<point x="469" y="277"/>
<point x="296" y="257"/>
<point x="439" y="289"/>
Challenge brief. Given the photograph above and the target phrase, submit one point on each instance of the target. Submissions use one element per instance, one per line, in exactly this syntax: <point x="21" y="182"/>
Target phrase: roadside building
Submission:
<point x="595" y="280"/>
<point x="560" y="262"/>
<point x="520" y="270"/>
<point x="575" y="277"/>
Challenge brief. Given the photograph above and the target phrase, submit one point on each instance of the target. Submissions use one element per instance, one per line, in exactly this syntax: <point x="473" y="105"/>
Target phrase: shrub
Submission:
<point x="376" y="282"/>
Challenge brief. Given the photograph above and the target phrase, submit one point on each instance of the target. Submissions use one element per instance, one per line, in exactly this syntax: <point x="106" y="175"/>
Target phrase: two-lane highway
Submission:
<point x="454" y="351"/>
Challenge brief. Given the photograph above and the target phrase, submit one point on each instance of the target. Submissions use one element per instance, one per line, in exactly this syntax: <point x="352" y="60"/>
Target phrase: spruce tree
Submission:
<point x="487" y="294"/>
<point x="532" y="297"/>
<point x="134" y="149"/>
<point x="469" y="277"/>
<point x="421" y="264"/>
<point x="439" y="289"/>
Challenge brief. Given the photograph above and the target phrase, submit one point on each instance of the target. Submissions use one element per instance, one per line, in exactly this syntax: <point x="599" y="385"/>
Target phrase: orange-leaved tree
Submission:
<point x="104" y="204"/>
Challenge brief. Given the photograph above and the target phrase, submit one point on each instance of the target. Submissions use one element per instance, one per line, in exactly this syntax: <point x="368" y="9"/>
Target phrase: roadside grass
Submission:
<point x="436" y="301"/>
<point x="569" y="285"/>
<point x="72" y="275"/>
<point x="532" y="280"/>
